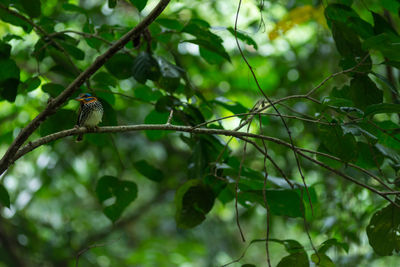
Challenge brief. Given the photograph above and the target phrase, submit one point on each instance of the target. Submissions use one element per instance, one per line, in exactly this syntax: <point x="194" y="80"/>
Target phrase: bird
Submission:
<point x="90" y="112"/>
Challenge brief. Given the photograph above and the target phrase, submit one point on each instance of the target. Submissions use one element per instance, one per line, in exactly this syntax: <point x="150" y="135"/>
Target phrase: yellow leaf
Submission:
<point x="298" y="16"/>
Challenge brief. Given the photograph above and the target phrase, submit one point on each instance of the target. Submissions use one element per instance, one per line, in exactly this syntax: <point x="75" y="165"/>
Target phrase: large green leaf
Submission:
<point x="53" y="89"/>
<point x="145" y="67"/>
<point x="9" y="79"/>
<point x="386" y="43"/>
<point x="170" y="75"/>
<point x="115" y="195"/>
<point x="139" y="4"/>
<point x="339" y="144"/>
<point x="31" y="7"/>
<point x="382" y="108"/>
<point x="363" y="92"/>
<point x="297" y="255"/>
<point x="280" y="202"/>
<point x="383" y="231"/>
<point x="120" y="65"/>
<point x="193" y="201"/>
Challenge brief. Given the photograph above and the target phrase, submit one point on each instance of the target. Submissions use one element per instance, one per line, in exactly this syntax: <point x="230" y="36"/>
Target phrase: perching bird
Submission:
<point x="90" y="112"/>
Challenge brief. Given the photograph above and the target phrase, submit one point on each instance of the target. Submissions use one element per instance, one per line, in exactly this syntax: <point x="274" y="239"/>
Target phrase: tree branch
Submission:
<point x="56" y="103"/>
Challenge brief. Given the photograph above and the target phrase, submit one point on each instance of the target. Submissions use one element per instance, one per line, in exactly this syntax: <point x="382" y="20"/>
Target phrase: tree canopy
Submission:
<point x="235" y="133"/>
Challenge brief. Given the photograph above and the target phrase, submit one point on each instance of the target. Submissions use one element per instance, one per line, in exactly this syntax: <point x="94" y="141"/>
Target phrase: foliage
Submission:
<point x="280" y="127"/>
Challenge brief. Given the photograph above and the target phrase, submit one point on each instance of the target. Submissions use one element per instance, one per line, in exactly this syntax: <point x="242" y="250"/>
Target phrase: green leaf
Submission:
<point x="63" y="119"/>
<point x="296" y="259"/>
<point x="73" y="8"/>
<point x="383" y="231"/>
<point x="381" y="108"/>
<point x="386" y="43"/>
<point x="73" y="50"/>
<point x="115" y="195"/>
<point x="234" y="107"/>
<point x="4" y="197"/>
<point x="381" y="25"/>
<point x="147" y="94"/>
<point x="145" y="67"/>
<point x="344" y="15"/>
<point x="322" y="260"/>
<point x="193" y="201"/>
<point x="392" y="87"/>
<point x="216" y="48"/>
<point x="5" y="50"/>
<point x="170" y="75"/>
<point x="148" y="171"/>
<point x="9" y="79"/>
<point x="139" y="4"/>
<point x="244" y="37"/>
<point x="120" y="65"/>
<point x="112" y="3"/>
<point x="6" y="17"/>
<point x="363" y="92"/>
<point x="280" y="202"/>
<point x="53" y="89"/>
<point x="339" y="144"/>
<point x="31" y="7"/>
<point x="297" y="256"/>
<point x="30" y="84"/>
<point x="333" y="242"/>
<point x="172" y="24"/>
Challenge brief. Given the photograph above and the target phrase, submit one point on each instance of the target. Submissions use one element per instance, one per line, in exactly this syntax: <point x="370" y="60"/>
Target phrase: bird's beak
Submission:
<point x="78" y="99"/>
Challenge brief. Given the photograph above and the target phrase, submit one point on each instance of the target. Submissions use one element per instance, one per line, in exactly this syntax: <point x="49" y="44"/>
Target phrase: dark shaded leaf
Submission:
<point x="53" y="89"/>
<point x="147" y="94"/>
<point x="322" y="260"/>
<point x="172" y="24"/>
<point x="281" y="202"/>
<point x="145" y="67"/>
<point x="193" y="201"/>
<point x="6" y="17"/>
<point x="115" y="195"/>
<point x="383" y="231"/>
<point x="363" y="92"/>
<point x="381" y="108"/>
<point x="5" y="50"/>
<point x="148" y="171"/>
<point x="170" y="75"/>
<point x="339" y="144"/>
<point x="386" y="43"/>
<point x="120" y="65"/>
<point x="112" y="3"/>
<point x="333" y="242"/>
<point x="31" y="7"/>
<point x="9" y="79"/>
<point x="139" y="4"/>
<point x="31" y="84"/>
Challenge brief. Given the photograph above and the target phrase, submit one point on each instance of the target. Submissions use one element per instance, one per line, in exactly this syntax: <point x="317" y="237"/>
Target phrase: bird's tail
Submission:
<point x="80" y="138"/>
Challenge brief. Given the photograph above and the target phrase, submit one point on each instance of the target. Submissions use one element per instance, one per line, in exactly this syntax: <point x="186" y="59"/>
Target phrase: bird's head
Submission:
<point x="85" y="98"/>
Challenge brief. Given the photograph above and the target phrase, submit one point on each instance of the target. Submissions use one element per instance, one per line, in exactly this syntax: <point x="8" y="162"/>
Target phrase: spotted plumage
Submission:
<point x="90" y="112"/>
